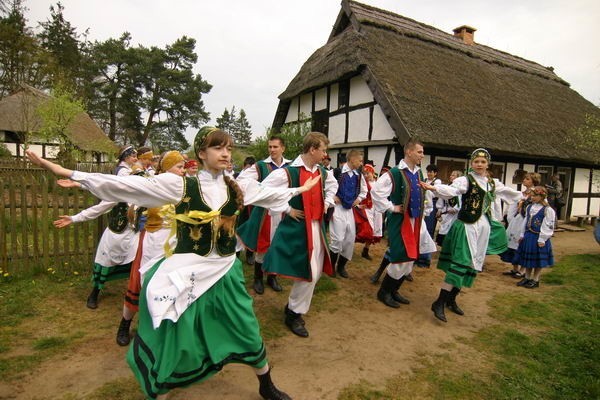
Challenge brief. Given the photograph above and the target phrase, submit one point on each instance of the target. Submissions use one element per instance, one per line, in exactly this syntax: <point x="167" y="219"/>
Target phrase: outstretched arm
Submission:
<point x="49" y="165"/>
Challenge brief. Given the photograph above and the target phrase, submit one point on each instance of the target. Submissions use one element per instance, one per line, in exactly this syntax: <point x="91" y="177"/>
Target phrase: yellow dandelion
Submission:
<point x="6" y="274"/>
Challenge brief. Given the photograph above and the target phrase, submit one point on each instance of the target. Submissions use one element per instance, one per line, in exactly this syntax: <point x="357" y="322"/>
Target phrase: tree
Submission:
<point x="242" y="130"/>
<point x="171" y="93"/>
<point x="57" y="114"/>
<point x="61" y="40"/>
<point x="226" y="121"/>
<point x="22" y="59"/>
<point x="293" y="135"/>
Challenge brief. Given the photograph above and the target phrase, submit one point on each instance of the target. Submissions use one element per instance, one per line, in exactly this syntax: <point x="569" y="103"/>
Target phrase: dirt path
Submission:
<point x="360" y="339"/>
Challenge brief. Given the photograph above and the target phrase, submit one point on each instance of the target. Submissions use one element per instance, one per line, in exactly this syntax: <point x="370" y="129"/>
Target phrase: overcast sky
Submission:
<point x="250" y="50"/>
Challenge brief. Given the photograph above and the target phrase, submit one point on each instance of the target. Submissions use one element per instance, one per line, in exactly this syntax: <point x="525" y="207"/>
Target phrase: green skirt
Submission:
<point x="216" y="329"/>
<point x="455" y="257"/>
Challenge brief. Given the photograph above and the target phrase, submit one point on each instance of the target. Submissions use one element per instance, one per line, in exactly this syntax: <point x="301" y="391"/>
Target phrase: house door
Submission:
<point x="564" y="174"/>
<point x="445" y="168"/>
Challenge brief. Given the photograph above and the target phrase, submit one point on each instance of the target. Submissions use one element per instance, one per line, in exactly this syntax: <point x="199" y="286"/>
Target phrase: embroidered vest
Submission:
<point x="263" y="169"/>
<point x="475" y="201"/>
<point x="403" y="187"/>
<point x="316" y="199"/>
<point x="534" y="222"/>
<point x="219" y="233"/>
<point x="117" y="218"/>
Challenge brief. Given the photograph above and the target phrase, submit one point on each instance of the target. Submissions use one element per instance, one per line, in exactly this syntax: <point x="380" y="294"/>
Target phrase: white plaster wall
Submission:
<point x="595" y="206"/>
<point x="292" y="114"/>
<point x="321" y="99"/>
<point x="52" y="151"/>
<point x="510" y="172"/>
<point x="12" y="147"/>
<point x="381" y="127"/>
<point x="582" y="180"/>
<point x="358" y="125"/>
<point x="333" y="97"/>
<point x="529" y="167"/>
<point x="426" y="161"/>
<point x="359" y="91"/>
<point x="596" y="181"/>
<point x="337" y="129"/>
<point x="579" y="206"/>
<point x="377" y="154"/>
<point x="306" y="105"/>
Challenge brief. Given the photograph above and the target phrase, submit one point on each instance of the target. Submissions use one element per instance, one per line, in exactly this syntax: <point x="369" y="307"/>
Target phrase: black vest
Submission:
<point x="473" y="201"/>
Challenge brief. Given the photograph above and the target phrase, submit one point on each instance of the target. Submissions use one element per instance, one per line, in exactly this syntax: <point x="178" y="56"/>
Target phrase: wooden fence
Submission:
<point x="30" y="201"/>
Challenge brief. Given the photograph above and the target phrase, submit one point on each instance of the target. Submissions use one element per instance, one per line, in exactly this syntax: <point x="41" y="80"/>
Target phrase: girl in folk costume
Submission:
<point x="195" y="313"/>
<point x="474" y="234"/>
<point x="535" y="249"/>
<point x="154" y="240"/>
<point x="299" y="247"/>
<point x="118" y="244"/>
<point x="447" y="211"/>
<point x="516" y="218"/>
<point x="369" y="223"/>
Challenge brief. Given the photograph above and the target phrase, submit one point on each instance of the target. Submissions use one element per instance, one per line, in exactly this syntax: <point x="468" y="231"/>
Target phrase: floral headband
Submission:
<point x="127" y="151"/>
<point x="201" y="136"/>
<point x="540" y="190"/>
<point x="481" y="152"/>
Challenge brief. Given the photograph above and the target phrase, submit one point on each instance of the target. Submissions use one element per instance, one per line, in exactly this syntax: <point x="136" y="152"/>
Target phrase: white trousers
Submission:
<point x="342" y="232"/>
<point x="302" y="291"/>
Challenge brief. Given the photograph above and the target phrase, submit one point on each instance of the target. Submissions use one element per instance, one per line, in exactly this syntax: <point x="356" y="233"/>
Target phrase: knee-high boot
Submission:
<point x="388" y="285"/>
<point x="375" y="277"/>
<point x="396" y="295"/>
<point x="451" y="304"/>
<point x="258" y="285"/>
<point x="438" y="306"/>
<point x="334" y="258"/>
<point x="268" y="390"/>
<point x="341" y="267"/>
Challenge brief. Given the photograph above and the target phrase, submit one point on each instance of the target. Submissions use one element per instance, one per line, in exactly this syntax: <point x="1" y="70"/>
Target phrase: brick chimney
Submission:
<point x="466" y="34"/>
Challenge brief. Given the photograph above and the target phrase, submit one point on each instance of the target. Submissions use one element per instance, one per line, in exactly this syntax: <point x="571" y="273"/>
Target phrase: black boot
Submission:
<point x="438" y="306"/>
<point x="267" y="388"/>
<point x="396" y="295"/>
<point x="334" y="257"/>
<point x="341" y="267"/>
<point x="384" y="294"/>
<point x="258" y="285"/>
<point x="92" y="300"/>
<point x="272" y="281"/>
<point x="365" y="254"/>
<point x="451" y="304"/>
<point x="375" y="277"/>
<point x="123" y="332"/>
<point x="295" y="322"/>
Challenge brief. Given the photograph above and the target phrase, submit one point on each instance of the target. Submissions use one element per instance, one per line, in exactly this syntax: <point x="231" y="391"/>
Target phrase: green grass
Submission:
<point x="545" y="345"/>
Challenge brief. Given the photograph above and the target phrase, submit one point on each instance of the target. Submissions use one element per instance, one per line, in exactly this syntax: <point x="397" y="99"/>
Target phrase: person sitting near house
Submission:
<point x="352" y="189"/>
<point x="257" y="232"/>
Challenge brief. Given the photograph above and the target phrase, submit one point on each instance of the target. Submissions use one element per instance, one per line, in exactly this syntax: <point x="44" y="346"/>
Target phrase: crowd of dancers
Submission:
<point x="176" y="228"/>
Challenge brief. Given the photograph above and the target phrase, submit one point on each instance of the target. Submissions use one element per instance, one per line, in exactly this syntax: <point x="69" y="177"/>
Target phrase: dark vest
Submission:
<point x="200" y="239"/>
<point x="402" y="184"/>
<point x="473" y="201"/>
<point x="117" y="218"/>
<point x="349" y="188"/>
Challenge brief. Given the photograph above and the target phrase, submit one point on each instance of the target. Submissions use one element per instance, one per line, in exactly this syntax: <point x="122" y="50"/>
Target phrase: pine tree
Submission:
<point x="243" y="131"/>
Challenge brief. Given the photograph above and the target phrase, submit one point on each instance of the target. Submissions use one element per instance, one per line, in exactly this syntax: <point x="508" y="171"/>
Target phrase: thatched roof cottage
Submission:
<point x="382" y="78"/>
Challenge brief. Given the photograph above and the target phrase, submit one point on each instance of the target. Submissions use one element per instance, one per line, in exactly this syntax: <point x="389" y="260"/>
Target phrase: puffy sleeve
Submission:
<point x="94" y="211"/>
<point x="380" y="193"/>
<point x="457" y="188"/>
<point x="273" y="193"/>
<point x="155" y="191"/>
<point x="547" y="228"/>
<point x="506" y="193"/>
<point x="331" y="188"/>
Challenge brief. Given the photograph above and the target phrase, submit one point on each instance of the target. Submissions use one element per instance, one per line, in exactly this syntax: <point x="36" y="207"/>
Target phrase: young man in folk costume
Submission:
<point x="398" y="193"/>
<point x="256" y="233"/>
<point x="352" y="189"/>
<point x="299" y="247"/>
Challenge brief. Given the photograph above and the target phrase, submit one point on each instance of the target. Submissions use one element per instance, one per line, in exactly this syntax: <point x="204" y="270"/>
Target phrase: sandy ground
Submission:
<point x="355" y="338"/>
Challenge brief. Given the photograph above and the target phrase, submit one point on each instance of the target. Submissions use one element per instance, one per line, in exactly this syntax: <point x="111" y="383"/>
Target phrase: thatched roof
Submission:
<point x="449" y="94"/>
<point x="18" y="113"/>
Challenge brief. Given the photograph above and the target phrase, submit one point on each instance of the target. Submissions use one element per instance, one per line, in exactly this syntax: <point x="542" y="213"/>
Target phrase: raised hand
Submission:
<point x="309" y="184"/>
<point x="67" y="183"/>
<point x="62" y="221"/>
